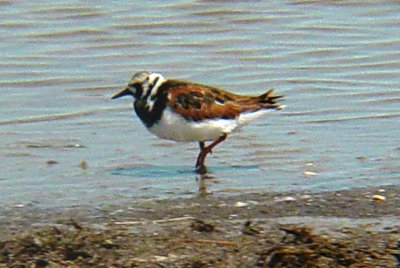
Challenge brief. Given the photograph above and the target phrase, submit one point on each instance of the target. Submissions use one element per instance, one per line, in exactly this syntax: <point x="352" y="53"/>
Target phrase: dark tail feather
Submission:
<point x="270" y="101"/>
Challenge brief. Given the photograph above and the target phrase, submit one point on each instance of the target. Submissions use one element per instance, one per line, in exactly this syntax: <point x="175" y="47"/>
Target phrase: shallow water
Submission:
<point x="337" y="63"/>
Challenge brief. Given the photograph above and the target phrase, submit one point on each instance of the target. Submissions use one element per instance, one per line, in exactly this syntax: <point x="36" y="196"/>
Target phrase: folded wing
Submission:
<point x="200" y="102"/>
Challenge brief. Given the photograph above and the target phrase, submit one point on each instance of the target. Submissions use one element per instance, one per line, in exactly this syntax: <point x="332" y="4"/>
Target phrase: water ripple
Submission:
<point x="336" y="62"/>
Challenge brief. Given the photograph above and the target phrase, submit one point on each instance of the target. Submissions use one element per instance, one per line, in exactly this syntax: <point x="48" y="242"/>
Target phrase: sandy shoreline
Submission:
<point x="223" y="231"/>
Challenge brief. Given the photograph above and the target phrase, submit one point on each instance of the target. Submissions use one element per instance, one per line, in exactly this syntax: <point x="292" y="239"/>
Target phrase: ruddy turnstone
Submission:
<point x="184" y="111"/>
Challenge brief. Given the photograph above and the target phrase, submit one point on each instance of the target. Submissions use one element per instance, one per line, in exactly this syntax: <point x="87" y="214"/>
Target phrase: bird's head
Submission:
<point x="139" y="85"/>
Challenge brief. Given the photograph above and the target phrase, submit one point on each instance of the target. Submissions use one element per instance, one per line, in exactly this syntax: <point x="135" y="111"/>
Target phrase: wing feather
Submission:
<point x="199" y="102"/>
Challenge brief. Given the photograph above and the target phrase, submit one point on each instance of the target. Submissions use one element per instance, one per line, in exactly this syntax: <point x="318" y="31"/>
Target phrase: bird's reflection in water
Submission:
<point x="204" y="180"/>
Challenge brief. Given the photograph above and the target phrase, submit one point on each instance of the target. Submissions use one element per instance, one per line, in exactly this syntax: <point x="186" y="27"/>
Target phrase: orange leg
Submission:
<point x="200" y="167"/>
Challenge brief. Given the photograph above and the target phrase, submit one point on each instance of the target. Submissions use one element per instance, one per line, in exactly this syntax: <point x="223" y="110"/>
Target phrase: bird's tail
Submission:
<point x="266" y="100"/>
<point x="270" y="101"/>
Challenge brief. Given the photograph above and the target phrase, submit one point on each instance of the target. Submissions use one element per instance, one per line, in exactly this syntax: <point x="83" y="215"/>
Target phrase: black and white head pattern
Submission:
<point x="150" y="101"/>
<point x="145" y="84"/>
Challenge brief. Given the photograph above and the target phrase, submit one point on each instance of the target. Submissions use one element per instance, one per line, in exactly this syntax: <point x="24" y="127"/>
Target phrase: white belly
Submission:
<point x="173" y="127"/>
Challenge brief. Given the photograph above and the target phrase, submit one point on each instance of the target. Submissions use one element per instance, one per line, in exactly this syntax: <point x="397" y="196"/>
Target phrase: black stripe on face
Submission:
<point x="150" y="87"/>
<point x="155" y="82"/>
<point x="150" y="117"/>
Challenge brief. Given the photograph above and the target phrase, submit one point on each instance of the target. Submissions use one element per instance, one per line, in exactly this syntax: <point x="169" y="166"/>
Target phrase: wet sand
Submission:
<point x="350" y="228"/>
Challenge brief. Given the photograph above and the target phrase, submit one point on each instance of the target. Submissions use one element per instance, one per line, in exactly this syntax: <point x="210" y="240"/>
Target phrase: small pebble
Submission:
<point x="202" y="226"/>
<point x="288" y="199"/>
<point x="139" y="260"/>
<point x="241" y="204"/>
<point x="77" y="145"/>
<point x="285" y="199"/>
<point x="108" y="243"/>
<point x="160" y="258"/>
<point x="83" y="165"/>
<point x="51" y="162"/>
<point x="361" y="158"/>
<point x="378" y="198"/>
<point x="309" y="173"/>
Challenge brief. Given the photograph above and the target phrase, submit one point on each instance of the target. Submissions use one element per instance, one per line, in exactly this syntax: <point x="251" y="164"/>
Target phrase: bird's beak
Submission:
<point x="122" y="93"/>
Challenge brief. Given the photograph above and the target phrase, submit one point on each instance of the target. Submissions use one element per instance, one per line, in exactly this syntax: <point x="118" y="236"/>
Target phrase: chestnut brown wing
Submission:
<point x="199" y="102"/>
